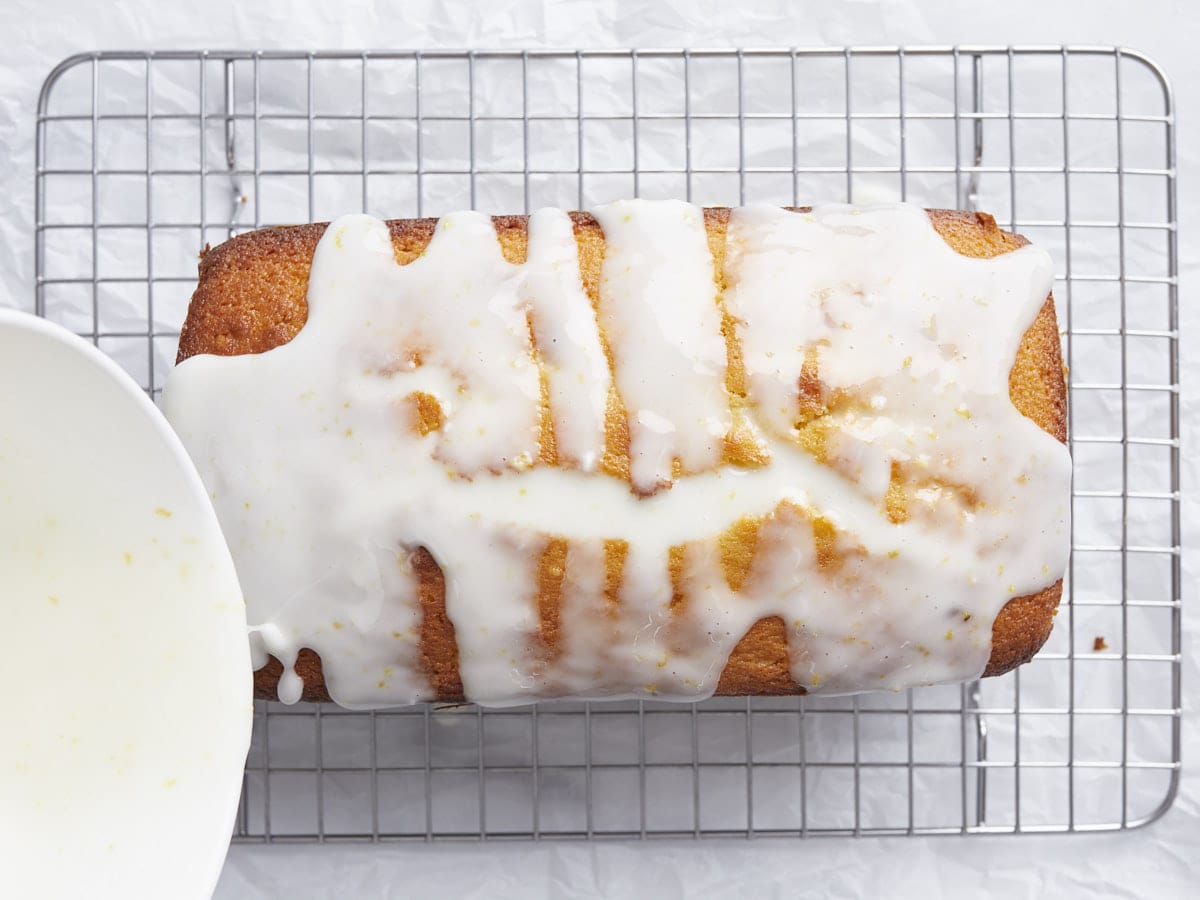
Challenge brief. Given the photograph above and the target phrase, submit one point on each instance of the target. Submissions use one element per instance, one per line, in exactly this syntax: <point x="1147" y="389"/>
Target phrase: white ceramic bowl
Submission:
<point x="124" y="660"/>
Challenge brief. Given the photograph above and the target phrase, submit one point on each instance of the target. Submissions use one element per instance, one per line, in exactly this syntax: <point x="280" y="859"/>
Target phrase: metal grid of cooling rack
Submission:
<point x="145" y="157"/>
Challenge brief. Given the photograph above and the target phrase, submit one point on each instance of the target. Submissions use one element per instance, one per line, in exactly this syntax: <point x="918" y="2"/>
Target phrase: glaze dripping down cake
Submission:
<point x="650" y="450"/>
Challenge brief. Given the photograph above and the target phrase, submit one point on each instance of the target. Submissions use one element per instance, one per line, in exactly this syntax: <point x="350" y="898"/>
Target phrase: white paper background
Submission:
<point x="1153" y="862"/>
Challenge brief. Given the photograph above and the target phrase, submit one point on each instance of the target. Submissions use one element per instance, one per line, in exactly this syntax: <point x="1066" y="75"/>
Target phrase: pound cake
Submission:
<point x="650" y="450"/>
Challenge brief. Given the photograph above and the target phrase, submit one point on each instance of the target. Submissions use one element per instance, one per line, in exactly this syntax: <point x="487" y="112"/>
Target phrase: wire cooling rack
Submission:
<point x="143" y="158"/>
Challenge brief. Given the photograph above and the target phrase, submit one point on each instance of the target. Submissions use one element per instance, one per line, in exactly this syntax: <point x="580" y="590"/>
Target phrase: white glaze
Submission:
<point x="658" y="307"/>
<point x="324" y="488"/>
<point x="568" y="339"/>
<point x="129" y="709"/>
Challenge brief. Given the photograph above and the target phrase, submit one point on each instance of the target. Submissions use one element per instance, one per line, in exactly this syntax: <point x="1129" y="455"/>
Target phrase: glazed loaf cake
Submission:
<point x="648" y="451"/>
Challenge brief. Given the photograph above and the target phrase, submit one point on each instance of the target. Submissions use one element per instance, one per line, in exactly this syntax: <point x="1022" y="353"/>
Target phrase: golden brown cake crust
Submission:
<point x="251" y="297"/>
